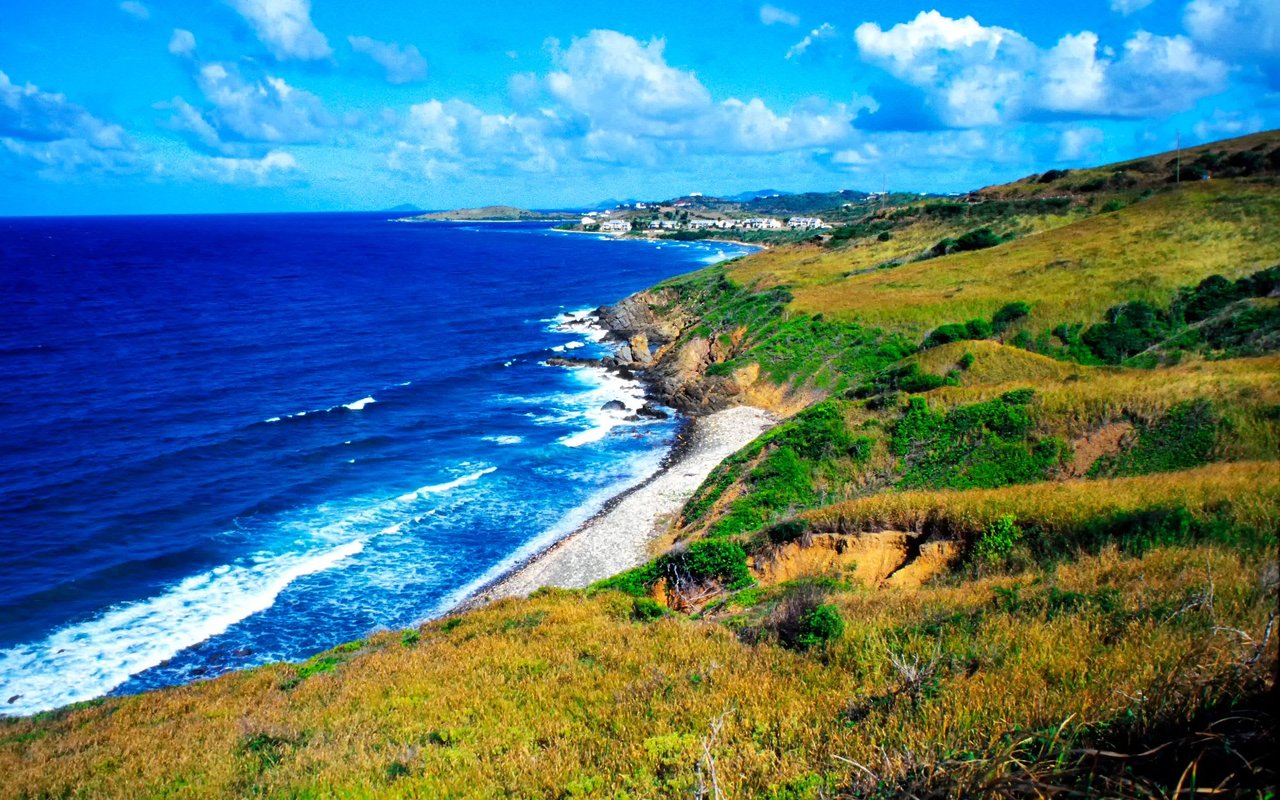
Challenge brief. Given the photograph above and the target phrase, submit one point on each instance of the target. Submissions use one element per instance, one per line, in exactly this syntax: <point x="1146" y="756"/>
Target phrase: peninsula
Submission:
<point x="1014" y="533"/>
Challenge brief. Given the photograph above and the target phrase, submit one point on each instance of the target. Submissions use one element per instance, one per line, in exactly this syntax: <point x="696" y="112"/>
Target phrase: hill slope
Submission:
<point x="1018" y="536"/>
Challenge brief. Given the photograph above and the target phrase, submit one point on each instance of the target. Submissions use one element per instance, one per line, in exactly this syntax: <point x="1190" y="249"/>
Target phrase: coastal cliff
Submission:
<point x="1015" y="536"/>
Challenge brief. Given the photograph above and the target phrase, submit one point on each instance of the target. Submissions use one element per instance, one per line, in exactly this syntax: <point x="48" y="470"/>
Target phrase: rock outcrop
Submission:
<point x="657" y="340"/>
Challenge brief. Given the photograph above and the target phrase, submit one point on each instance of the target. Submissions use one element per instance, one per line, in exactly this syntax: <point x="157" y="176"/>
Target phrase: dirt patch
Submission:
<point x="1094" y="445"/>
<point x="887" y="558"/>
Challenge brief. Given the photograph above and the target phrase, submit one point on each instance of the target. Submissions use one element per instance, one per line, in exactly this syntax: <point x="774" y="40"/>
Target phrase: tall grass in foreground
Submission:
<point x="567" y="696"/>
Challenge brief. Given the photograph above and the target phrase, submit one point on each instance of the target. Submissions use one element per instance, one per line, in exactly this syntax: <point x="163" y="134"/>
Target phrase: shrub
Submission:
<point x="979" y="239"/>
<point x="804" y="622"/>
<point x="1009" y="314"/>
<point x="646" y="609"/>
<point x="977" y="329"/>
<point x="1130" y="328"/>
<point x="1053" y="175"/>
<point x="1183" y="438"/>
<point x="965" y="361"/>
<point x="983" y="445"/>
<point x="998" y="540"/>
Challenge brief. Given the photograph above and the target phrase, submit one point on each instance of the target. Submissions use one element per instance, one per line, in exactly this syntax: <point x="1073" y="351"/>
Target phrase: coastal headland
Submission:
<point x="1013" y="533"/>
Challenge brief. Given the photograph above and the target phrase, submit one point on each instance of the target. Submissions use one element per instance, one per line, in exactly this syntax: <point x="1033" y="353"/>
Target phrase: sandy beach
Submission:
<point x="618" y="538"/>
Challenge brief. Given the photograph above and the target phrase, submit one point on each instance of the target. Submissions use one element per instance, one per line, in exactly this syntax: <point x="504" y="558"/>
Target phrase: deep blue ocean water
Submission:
<point x="229" y="440"/>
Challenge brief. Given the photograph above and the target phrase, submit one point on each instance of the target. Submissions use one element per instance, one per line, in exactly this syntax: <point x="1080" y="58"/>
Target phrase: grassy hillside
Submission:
<point x="1017" y="536"/>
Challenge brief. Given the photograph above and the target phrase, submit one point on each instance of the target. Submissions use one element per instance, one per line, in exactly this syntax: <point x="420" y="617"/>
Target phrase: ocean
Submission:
<point x="231" y="440"/>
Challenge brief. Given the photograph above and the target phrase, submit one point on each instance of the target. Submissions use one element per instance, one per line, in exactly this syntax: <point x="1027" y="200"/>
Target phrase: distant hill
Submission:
<point x="747" y="197"/>
<point x="494" y="214"/>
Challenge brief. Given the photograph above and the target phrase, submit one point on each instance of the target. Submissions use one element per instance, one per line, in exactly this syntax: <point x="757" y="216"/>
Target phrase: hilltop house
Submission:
<point x="805" y="223"/>
<point x="761" y="224"/>
<point x="615" y="226"/>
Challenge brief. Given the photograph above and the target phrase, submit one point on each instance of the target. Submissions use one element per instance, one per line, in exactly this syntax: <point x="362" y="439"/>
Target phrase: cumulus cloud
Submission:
<point x="46" y="128"/>
<point x="403" y="63"/>
<point x="438" y="138"/>
<point x="624" y="92"/>
<point x="618" y="82"/>
<point x="1127" y="7"/>
<point x="285" y="27"/>
<point x="135" y="9"/>
<point x="772" y="15"/>
<point x="182" y="42"/>
<point x="272" y="168"/>
<point x="824" y="31"/>
<point x="1078" y="144"/>
<point x="256" y="108"/>
<point x="971" y="75"/>
<point x="1246" y="31"/>
<point x="1221" y="124"/>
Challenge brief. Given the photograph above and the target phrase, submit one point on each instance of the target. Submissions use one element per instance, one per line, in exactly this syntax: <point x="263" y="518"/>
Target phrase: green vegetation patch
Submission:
<point x="702" y="562"/>
<point x="978" y="446"/>
<point x="1182" y="438"/>
<point x="813" y="443"/>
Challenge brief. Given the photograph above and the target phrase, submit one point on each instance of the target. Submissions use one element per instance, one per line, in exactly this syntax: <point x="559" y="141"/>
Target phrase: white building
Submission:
<point x="805" y="223"/>
<point x="615" y="226"/>
<point x="762" y="224"/>
<point x="703" y="224"/>
<point x="589" y="222"/>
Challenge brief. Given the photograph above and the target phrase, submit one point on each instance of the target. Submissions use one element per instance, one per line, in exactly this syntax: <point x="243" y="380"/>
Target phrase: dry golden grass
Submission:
<point x="1071" y="273"/>
<point x="1072" y="400"/>
<point x="564" y="696"/>
<point x="1250" y="488"/>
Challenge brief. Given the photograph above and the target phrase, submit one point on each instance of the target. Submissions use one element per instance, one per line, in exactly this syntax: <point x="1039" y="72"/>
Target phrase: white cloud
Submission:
<point x="285" y="27"/>
<point x="618" y="82"/>
<point x="1078" y="144"/>
<point x="772" y="15"/>
<point x="253" y="109"/>
<point x="445" y="138"/>
<point x="269" y="169"/>
<point x="1246" y="31"/>
<point x="1221" y="124"/>
<point x="30" y="114"/>
<point x="623" y="91"/>
<point x="45" y="128"/>
<point x="824" y="31"/>
<point x="403" y="63"/>
<point x="182" y="42"/>
<point x="973" y="75"/>
<point x="135" y="9"/>
<point x="1127" y="7"/>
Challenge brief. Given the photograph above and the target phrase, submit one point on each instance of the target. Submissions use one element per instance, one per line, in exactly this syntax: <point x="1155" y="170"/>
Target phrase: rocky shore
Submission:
<point x="656" y="350"/>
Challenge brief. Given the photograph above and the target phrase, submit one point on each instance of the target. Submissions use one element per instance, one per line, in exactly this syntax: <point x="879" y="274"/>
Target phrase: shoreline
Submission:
<point x="625" y="237"/>
<point x="617" y="537"/>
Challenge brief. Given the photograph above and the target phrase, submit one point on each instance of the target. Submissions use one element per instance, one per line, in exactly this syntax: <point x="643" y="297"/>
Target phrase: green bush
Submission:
<point x="965" y="361"/>
<point x="646" y="609"/>
<point x="979" y="239"/>
<point x="820" y="626"/>
<point x="983" y="445"/>
<point x="998" y="540"/>
<point x="703" y="561"/>
<point x="1183" y="438"/>
<point x="1009" y="314"/>
<point x="1130" y="328"/>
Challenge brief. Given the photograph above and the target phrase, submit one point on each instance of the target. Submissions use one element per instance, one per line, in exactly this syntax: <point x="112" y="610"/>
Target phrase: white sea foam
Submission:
<point x="360" y="404"/>
<point x="574" y="345"/>
<point x="640" y="468"/>
<point x="418" y="494"/>
<point x="602" y="387"/>
<point x="87" y="659"/>
<point x="580" y="322"/>
<point x="357" y="405"/>
<point x="504" y="439"/>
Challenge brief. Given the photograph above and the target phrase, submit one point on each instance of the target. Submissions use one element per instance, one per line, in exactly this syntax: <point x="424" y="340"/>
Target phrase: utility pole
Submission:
<point x="1178" y="144"/>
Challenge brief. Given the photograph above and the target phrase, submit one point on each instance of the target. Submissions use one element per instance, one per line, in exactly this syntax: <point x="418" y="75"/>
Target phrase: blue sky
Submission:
<point x="147" y="106"/>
